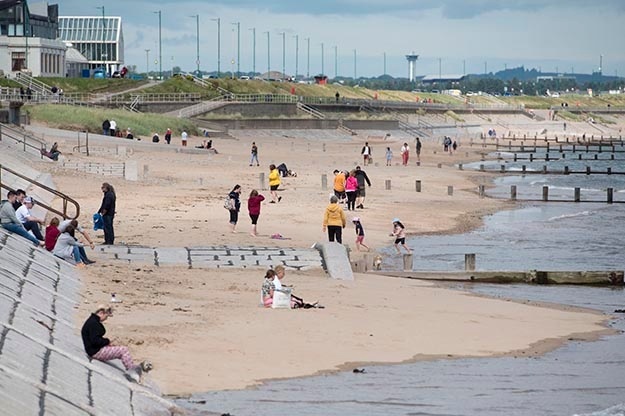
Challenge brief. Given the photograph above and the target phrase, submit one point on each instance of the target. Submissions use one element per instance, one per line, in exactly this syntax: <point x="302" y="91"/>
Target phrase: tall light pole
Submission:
<point x="283" y="54"/>
<point x="296" y="55"/>
<point x="147" y="62"/>
<point x="160" y="48"/>
<point x="384" y="64"/>
<point x="253" y="50"/>
<point x="439" y="70"/>
<point x="102" y="52"/>
<point x="308" y="58"/>
<point x="197" y="37"/>
<point x="355" y="77"/>
<point x="238" y="25"/>
<point x="464" y="67"/>
<point x="322" y="54"/>
<point x="268" y="54"/>
<point x="336" y="61"/>
<point x="218" y="20"/>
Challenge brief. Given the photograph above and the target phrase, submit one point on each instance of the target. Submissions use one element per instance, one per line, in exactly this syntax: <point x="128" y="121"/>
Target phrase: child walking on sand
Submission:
<point x="399" y="232"/>
<point x="360" y="233"/>
<point x="389" y="156"/>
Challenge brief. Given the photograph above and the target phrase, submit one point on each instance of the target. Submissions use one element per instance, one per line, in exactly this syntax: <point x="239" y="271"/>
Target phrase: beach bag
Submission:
<point x="228" y="203"/>
<point x="282" y="298"/>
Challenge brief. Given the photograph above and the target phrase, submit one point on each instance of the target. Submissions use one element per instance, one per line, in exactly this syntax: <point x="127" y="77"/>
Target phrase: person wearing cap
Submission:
<point x="334" y="220"/>
<point x="28" y="220"/>
<point x="102" y="349"/>
<point x="9" y="220"/>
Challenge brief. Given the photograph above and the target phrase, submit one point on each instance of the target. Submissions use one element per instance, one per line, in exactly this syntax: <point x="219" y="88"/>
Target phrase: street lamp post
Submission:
<point x="336" y="61"/>
<point x="253" y="50"/>
<point x="308" y="58"/>
<point x="268" y="55"/>
<point x="238" y="25"/>
<point x="322" y="53"/>
<point x="197" y="37"/>
<point x="102" y="53"/>
<point x="218" y="20"/>
<point x="384" y="63"/>
<point x="296" y="55"/>
<point x="160" y="48"/>
<point x="355" y="65"/>
<point x="147" y="62"/>
<point x="283" y="54"/>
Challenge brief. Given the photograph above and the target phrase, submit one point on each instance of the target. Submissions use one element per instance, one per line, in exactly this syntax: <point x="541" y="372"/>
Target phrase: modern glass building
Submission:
<point x="97" y="38"/>
<point x="29" y="39"/>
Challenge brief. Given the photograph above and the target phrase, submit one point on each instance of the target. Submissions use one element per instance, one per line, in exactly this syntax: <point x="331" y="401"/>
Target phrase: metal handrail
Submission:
<point x="54" y="192"/>
<point x="22" y="138"/>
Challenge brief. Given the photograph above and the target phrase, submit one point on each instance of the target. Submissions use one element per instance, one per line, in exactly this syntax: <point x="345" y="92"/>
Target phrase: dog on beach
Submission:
<point x="377" y="262"/>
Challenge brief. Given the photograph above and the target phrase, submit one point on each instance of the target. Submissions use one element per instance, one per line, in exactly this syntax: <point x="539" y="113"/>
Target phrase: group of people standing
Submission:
<point x="404" y="151"/>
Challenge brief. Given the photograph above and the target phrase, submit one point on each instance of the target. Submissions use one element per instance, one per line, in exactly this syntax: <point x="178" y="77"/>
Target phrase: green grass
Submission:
<point x="90" y="119"/>
<point x="90" y="85"/>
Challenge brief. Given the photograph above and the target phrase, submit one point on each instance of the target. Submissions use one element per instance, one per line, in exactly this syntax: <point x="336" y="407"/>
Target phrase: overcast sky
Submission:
<point x="449" y="36"/>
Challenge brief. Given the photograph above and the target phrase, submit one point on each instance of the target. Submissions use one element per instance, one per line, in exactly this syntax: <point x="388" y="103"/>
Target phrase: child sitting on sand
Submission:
<point x="360" y="233"/>
<point x="399" y="232"/>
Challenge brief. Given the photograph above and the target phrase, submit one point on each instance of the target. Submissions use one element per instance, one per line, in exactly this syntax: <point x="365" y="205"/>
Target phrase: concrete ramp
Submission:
<point x="43" y="367"/>
<point x="335" y="260"/>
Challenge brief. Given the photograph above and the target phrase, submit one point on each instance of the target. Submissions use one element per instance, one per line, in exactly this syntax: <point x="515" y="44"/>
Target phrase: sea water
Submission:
<point x="579" y="378"/>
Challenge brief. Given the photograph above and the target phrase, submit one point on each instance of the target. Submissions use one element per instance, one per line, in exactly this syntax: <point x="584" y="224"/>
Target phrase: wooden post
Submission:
<point x="566" y="170"/>
<point x="324" y="182"/>
<point x="417" y="186"/>
<point x="515" y="157"/>
<point x="480" y="190"/>
<point x="469" y="262"/>
<point x="545" y="193"/>
<point x="610" y="195"/>
<point x="408" y="262"/>
<point x="610" y="170"/>
<point x="440" y="165"/>
<point x="513" y="192"/>
<point x="459" y="166"/>
<point x="523" y="169"/>
<point x="450" y="190"/>
<point x="503" y="168"/>
<point x="387" y="184"/>
<point x="261" y="180"/>
<point x="544" y="168"/>
<point x="576" y="197"/>
<point x="482" y="168"/>
<point x="324" y="147"/>
<point x="531" y="157"/>
<point x="587" y="170"/>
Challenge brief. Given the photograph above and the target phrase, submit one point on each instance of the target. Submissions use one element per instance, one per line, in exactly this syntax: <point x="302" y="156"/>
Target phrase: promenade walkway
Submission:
<point x="43" y="367"/>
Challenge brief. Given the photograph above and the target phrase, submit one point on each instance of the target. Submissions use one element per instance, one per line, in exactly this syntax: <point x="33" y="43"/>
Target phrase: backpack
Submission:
<point x="228" y="203"/>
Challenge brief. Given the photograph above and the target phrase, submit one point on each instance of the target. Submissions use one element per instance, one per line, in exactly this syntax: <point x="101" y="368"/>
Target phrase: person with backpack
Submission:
<point x="235" y="206"/>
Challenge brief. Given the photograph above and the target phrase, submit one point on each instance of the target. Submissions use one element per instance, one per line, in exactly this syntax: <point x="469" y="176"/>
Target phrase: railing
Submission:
<point x="27" y="140"/>
<point x="32" y="83"/>
<point x="311" y="111"/>
<point x="66" y="200"/>
<point x="198" y="81"/>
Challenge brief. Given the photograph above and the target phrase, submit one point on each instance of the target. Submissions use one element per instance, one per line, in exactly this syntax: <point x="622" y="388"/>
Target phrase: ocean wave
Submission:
<point x="573" y="215"/>
<point x="618" y="410"/>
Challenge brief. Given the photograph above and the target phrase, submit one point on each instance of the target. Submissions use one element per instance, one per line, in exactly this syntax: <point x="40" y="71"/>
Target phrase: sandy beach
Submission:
<point x="204" y="330"/>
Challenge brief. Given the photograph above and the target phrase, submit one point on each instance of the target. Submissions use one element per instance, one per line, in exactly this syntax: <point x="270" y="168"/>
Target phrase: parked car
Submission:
<point x="99" y="73"/>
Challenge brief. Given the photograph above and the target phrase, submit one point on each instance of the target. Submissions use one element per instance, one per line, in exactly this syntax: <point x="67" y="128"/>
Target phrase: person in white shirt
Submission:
<point x="28" y="220"/>
<point x="113" y="128"/>
<point x="184" y="137"/>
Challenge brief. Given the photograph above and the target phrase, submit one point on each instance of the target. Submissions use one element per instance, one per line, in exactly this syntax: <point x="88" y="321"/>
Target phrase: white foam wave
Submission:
<point x="573" y="215"/>
<point x="618" y="410"/>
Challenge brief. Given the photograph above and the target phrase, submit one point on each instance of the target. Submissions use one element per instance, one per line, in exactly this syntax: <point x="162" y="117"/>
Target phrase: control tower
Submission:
<point x="412" y="59"/>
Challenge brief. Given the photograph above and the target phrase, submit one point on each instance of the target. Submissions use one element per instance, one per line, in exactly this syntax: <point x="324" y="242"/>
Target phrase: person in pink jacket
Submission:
<point x="351" y="186"/>
<point x="253" y="206"/>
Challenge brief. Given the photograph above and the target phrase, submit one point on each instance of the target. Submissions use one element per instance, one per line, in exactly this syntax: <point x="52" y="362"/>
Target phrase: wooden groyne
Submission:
<point x="591" y="278"/>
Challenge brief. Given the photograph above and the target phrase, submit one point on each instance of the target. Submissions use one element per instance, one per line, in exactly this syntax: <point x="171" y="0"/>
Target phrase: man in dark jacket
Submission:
<point x="361" y="177"/>
<point x="107" y="210"/>
<point x="100" y="348"/>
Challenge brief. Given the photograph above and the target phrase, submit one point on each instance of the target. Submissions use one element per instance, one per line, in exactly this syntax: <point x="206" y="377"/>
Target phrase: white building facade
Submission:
<point x="100" y="39"/>
<point x="29" y="39"/>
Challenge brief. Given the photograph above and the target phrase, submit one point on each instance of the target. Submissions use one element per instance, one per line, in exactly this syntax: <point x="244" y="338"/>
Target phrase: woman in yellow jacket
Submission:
<point x="274" y="182"/>
<point x="334" y="220"/>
